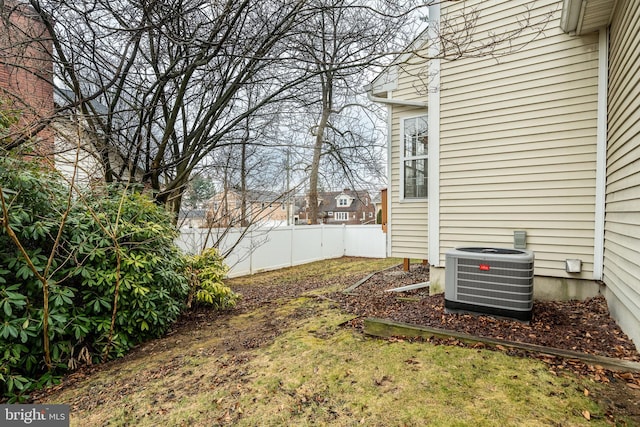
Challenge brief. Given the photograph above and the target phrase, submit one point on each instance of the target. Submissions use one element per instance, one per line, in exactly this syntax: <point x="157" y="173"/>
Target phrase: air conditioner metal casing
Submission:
<point x="495" y="281"/>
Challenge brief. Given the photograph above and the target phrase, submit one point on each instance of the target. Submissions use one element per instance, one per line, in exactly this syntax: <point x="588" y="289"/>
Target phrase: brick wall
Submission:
<point x="26" y="73"/>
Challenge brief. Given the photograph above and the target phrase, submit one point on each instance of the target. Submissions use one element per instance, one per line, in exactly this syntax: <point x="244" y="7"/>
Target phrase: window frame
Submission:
<point x="339" y="216"/>
<point x="404" y="158"/>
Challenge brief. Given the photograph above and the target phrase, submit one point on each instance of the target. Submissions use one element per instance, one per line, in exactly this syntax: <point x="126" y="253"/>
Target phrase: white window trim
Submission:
<point x="403" y="158"/>
<point x="341" y="216"/>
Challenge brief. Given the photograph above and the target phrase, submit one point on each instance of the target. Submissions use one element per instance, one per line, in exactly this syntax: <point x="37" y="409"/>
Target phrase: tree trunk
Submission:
<point x="315" y="165"/>
<point x="244" y="221"/>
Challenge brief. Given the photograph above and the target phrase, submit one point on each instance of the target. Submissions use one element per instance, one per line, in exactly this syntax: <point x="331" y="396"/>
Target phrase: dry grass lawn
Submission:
<point x="289" y="362"/>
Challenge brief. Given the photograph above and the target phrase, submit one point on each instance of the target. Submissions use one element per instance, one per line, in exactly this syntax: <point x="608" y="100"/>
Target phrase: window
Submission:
<point x="343" y="201"/>
<point x="330" y="213"/>
<point x="415" y="158"/>
<point x="342" y="216"/>
<point x="370" y="214"/>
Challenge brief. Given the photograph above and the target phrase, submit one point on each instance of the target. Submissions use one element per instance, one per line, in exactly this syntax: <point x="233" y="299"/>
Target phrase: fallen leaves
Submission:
<point x="382" y="381"/>
<point x="551" y="326"/>
<point x="632" y="379"/>
<point x="582" y="326"/>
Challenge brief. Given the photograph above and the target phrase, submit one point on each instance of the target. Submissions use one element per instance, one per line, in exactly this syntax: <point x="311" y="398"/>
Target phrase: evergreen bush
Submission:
<point x="116" y="246"/>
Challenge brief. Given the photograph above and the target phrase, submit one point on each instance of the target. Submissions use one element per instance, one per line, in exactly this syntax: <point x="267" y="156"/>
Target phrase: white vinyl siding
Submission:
<point x="622" y="214"/>
<point x="413" y="78"/>
<point x="518" y="138"/>
<point x="408" y="218"/>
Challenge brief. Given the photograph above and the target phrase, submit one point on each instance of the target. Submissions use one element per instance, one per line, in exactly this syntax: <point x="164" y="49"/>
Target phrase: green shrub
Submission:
<point x="35" y="200"/>
<point x="207" y="272"/>
<point x="136" y="253"/>
<point x="114" y="242"/>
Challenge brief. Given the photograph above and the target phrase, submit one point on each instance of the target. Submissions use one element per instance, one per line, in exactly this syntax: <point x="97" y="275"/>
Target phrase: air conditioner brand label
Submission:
<point x="485" y="267"/>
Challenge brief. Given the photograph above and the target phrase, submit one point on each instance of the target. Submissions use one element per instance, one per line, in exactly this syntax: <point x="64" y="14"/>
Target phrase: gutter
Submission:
<point x="400" y="102"/>
<point x="572" y="10"/>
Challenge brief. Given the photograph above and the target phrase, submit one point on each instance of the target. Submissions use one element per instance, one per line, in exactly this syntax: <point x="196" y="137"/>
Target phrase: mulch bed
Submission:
<point x="582" y="326"/>
<point x="579" y="326"/>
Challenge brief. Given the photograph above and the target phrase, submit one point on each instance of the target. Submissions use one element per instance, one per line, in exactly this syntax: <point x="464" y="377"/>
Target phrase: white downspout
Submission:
<point x="601" y="155"/>
<point x="434" y="137"/>
<point x="389" y="183"/>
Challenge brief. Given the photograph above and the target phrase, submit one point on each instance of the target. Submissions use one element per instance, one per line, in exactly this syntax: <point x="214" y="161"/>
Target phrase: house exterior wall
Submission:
<point x="26" y="72"/>
<point x="72" y="155"/>
<point x="518" y="138"/>
<point x="225" y="210"/>
<point x="361" y="209"/>
<point x="407" y="218"/>
<point x="622" y="220"/>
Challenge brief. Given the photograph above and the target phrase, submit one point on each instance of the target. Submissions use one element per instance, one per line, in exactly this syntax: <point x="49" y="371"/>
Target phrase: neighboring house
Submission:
<point x="192" y="218"/>
<point x="541" y="136"/>
<point x="377" y="203"/>
<point x="261" y="208"/>
<point x="74" y="156"/>
<point x="342" y="207"/>
<point x="79" y="152"/>
<point x="26" y="73"/>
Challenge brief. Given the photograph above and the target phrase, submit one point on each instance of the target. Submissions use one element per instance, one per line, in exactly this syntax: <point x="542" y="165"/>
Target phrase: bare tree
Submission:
<point x="346" y="39"/>
<point x="160" y="85"/>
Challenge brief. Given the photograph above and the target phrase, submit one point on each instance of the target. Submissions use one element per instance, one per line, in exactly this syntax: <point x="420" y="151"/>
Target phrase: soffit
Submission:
<point x="586" y="16"/>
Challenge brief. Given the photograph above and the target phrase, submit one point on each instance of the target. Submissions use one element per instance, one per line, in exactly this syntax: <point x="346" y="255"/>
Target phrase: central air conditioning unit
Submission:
<point x="494" y="281"/>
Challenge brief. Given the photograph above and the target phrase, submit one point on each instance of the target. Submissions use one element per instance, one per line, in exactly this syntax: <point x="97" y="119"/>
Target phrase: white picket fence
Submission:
<point x="273" y="248"/>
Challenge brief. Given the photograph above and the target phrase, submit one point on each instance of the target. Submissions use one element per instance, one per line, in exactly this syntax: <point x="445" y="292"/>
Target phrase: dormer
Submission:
<point x="344" y="200"/>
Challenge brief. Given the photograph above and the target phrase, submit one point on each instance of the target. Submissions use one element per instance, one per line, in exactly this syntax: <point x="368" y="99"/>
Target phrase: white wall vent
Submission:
<point x="494" y="281"/>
